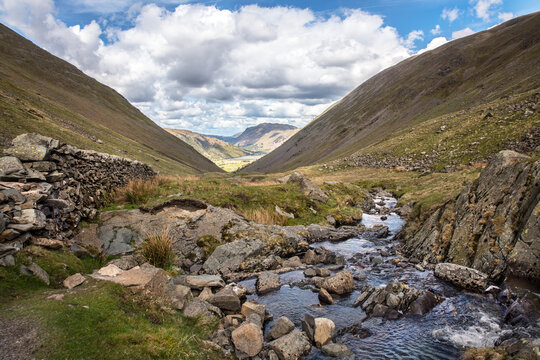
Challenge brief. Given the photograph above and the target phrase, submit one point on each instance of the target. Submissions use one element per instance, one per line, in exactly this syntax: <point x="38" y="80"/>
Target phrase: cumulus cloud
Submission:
<point x="505" y="16"/>
<point x="435" y="43"/>
<point x="483" y="8"/>
<point x="462" y="33"/>
<point x="450" y="14"/>
<point x="213" y="70"/>
<point x="436" y="30"/>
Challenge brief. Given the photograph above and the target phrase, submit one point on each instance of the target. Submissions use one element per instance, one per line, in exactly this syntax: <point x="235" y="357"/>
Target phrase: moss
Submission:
<point x="208" y="243"/>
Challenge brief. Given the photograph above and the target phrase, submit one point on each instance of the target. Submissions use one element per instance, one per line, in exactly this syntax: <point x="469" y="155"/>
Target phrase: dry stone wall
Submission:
<point x="47" y="188"/>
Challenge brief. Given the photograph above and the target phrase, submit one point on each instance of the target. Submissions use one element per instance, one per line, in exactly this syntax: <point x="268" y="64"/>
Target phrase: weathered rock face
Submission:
<point x="492" y="225"/>
<point x="47" y="187"/>
<point x="462" y="276"/>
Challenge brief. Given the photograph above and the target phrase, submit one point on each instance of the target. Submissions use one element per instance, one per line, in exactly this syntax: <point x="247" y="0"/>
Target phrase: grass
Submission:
<point x="231" y="165"/>
<point x="157" y="250"/>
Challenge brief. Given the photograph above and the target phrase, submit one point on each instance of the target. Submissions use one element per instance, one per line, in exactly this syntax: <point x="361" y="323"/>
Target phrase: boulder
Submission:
<point x="267" y="282"/>
<point x="33" y="218"/>
<point x="225" y="299"/>
<point x="73" y="281"/>
<point x="282" y="327"/>
<point x="137" y="276"/>
<point x="37" y="271"/>
<point x="32" y="147"/>
<point x="312" y="190"/>
<point x="325" y="297"/>
<point x="423" y="303"/>
<point x="249" y="308"/>
<point x="228" y="257"/>
<point x="179" y="295"/>
<point x="525" y="256"/>
<point x="340" y="283"/>
<point x="202" y="281"/>
<point x="198" y="307"/>
<point x="291" y="346"/>
<point x="462" y="276"/>
<point x="310" y="272"/>
<point x="248" y="338"/>
<point x="336" y="350"/>
<point x="125" y="262"/>
<point x="323" y="331"/>
<point x="88" y="238"/>
<point x="79" y="251"/>
<point x="47" y="243"/>
<point x="110" y="270"/>
<point x="118" y="241"/>
<point x="292" y="262"/>
<point x="205" y="294"/>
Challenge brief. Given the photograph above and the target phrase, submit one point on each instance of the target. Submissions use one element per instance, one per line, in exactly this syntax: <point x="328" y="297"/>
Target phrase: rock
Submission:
<point x="32" y="217"/>
<point x="13" y="195"/>
<point x="248" y="338"/>
<point x="392" y="301"/>
<point x="267" y="282"/>
<point x="110" y="270"/>
<point x="118" y="241"/>
<point x="179" y="295"/>
<point x="56" y="297"/>
<point x="308" y="326"/>
<point x="340" y="283"/>
<point x="8" y="260"/>
<point x="291" y="346"/>
<point x="310" y="272"/>
<point x="255" y="319"/>
<point x="292" y="262"/>
<point x="272" y="355"/>
<point x="198" y="307"/>
<point x="79" y="251"/>
<point x="310" y="258"/>
<point x="32" y="147"/>
<point x="12" y="169"/>
<point x="423" y="304"/>
<point x="525" y="256"/>
<point x="202" y="281"/>
<point x="312" y="190"/>
<point x="284" y="213"/>
<point x="205" y="294"/>
<point x="325" y="297"/>
<point x="282" y="327"/>
<point x="323" y="272"/>
<point x="379" y="310"/>
<point x="159" y="286"/>
<point x="324" y="330"/>
<point x="336" y="350"/>
<point x="73" y="281"/>
<point x="225" y="299"/>
<point x="249" y="308"/>
<point x="228" y="257"/>
<point x="462" y="276"/>
<point x="125" y="262"/>
<point x="47" y="243"/>
<point x="37" y="271"/>
<point x="239" y="290"/>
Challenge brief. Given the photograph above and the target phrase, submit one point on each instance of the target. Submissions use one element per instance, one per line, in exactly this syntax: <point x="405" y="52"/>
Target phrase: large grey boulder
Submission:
<point x="312" y="190"/>
<point x="525" y="257"/>
<point x="12" y="169"/>
<point x="32" y="147"/>
<point x="225" y="299"/>
<point x="203" y="281"/>
<point x="198" y="307"/>
<point x="282" y="327"/>
<point x="267" y="282"/>
<point x="291" y="346"/>
<point x="462" y="276"/>
<point x="340" y="283"/>
<point x="248" y="338"/>
<point x="118" y="241"/>
<point x="228" y="257"/>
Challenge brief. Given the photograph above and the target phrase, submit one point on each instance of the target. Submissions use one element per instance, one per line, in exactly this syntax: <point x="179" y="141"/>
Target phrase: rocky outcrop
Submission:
<point x="313" y="191"/>
<point x="462" y="276"/>
<point x="48" y="187"/>
<point x="492" y="226"/>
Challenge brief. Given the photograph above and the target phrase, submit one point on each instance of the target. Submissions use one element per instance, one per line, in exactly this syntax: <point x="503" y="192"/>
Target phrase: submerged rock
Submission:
<point x="336" y="350"/>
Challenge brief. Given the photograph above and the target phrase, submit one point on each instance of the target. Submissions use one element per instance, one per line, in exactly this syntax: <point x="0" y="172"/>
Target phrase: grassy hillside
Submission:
<point x="42" y="93"/>
<point x="487" y="67"/>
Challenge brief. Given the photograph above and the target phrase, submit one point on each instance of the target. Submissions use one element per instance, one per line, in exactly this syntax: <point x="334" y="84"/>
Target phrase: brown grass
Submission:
<point x="157" y="249"/>
<point x="264" y="216"/>
<point x="139" y="191"/>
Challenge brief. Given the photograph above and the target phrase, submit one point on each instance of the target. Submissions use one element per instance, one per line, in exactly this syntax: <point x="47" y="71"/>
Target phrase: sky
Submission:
<point x="217" y="67"/>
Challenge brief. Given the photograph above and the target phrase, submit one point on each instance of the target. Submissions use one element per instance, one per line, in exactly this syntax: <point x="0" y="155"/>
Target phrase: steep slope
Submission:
<point x="467" y="72"/>
<point x="212" y="148"/>
<point x="44" y="94"/>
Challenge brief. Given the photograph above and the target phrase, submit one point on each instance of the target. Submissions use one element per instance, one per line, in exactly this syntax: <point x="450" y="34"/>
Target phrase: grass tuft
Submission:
<point x="158" y="251"/>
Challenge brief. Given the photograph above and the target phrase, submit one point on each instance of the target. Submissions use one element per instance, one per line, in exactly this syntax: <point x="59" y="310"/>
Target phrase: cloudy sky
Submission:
<point x="217" y="67"/>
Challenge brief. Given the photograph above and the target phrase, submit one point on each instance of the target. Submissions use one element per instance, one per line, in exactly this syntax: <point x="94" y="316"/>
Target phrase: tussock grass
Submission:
<point x="139" y="191"/>
<point x="157" y="249"/>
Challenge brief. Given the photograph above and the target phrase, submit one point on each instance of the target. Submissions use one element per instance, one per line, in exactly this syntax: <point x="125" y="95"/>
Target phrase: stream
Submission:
<point x="461" y="320"/>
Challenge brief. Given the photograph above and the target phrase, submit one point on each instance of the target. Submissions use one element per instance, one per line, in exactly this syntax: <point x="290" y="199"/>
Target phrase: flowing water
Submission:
<point x="461" y="320"/>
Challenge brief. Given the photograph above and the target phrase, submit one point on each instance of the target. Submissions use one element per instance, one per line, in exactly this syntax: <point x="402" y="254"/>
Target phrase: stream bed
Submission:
<point x="461" y="320"/>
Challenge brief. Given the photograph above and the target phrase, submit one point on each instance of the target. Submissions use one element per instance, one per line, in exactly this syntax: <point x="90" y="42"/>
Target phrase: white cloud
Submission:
<point x="414" y="36"/>
<point x="436" y="30"/>
<point x="435" y="43"/>
<point x="450" y="14"/>
<point x="462" y="33"/>
<point x="212" y="70"/>
<point x="483" y="9"/>
<point x="505" y="16"/>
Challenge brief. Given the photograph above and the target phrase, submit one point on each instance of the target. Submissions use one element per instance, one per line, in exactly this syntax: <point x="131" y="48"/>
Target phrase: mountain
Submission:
<point x="263" y="137"/>
<point x="211" y="147"/>
<point x="483" y="68"/>
<point x="44" y="94"/>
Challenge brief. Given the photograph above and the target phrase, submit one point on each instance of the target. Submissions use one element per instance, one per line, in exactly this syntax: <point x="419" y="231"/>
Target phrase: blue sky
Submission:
<point x="220" y="66"/>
